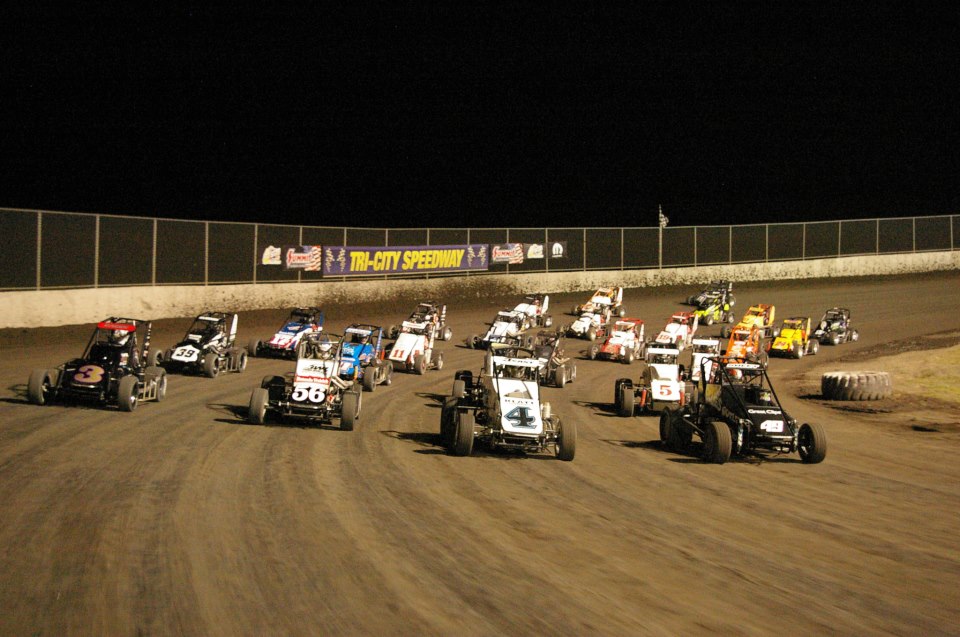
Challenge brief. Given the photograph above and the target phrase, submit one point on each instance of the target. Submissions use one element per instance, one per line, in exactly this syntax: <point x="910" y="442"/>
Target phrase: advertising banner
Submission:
<point x="270" y="256"/>
<point x="533" y="251"/>
<point x="306" y="258"/>
<point x="347" y="260"/>
<point x="506" y="253"/>
<point x="558" y="249"/>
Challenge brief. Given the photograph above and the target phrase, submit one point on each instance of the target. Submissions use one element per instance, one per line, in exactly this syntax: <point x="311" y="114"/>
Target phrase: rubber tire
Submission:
<point x="627" y="401"/>
<point x="211" y="365"/>
<point x="547" y="321"/>
<point x="681" y="436"/>
<point x="591" y="333"/>
<point x="617" y="388"/>
<point x="459" y="388"/>
<point x="813" y="347"/>
<point x="257" y="409"/>
<point x="155" y="358"/>
<point x="798" y="351"/>
<point x="389" y="379"/>
<point x="370" y="378"/>
<point x="717" y="443"/>
<point x="812" y="443"/>
<point x="349" y="410"/>
<point x="708" y="320"/>
<point x="472" y="341"/>
<point x="39" y="385"/>
<point x="420" y="364"/>
<point x="157" y="374"/>
<point x="628" y="359"/>
<point x="725" y="332"/>
<point x="857" y="386"/>
<point x="241" y="361"/>
<point x="592" y="352"/>
<point x="566" y="440"/>
<point x="448" y="424"/>
<point x="162" y="386"/>
<point x="463" y="438"/>
<point x="128" y="393"/>
<point x="447" y="334"/>
<point x="253" y="348"/>
<point x="666" y="427"/>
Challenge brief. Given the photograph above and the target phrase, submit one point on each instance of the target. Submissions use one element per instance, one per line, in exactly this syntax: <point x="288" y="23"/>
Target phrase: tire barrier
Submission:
<point x="856" y="385"/>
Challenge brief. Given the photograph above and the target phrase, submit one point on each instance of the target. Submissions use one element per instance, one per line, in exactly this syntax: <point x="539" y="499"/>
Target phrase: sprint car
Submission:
<point x="507" y="327"/>
<point x="302" y="320"/>
<point x="556" y="368"/>
<point x="427" y="312"/>
<point x="414" y="347"/>
<point x="625" y="342"/>
<point x="835" y="327"/>
<point x="702" y="348"/>
<point x="738" y="413"/>
<point x="534" y="307"/>
<point x="588" y="324"/>
<point x="794" y="339"/>
<point x="716" y="308"/>
<point x="500" y="408"/>
<point x="609" y="299"/>
<point x="716" y="289"/>
<point x="208" y="347"/>
<point x="747" y="342"/>
<point x="362" y="356"/>
<point x="111" y="370"/>
<point x="760" y="316"/>
<point x="662" y="384"/>
<point x="679" y="331"/>
<point x="313" y="392"/>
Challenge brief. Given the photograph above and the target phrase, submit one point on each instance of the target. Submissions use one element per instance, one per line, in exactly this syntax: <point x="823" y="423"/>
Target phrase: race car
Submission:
<point x="507" y="327"/>
<point x="534" y="307"/>
<point x="702" y="348"/>
<point x="794" y="339"/>
<point x="207" y="347"/>
<point x="716" y="308"/>
<point x="427" y="312"/>
<point x="314" y="392"/>
<point x="302" y="320"/>
<point x="662" y="384"/>
<point x="610" y="299"/>
<point x="738" y="413"/>
<point x="679" y="331"/>
<point x="747" y="343"/>
<point x="715" y="290"/>
<point x="362" y="354"/>
<point x="501" y="409"/>
<point x="555" y="367"/>
<point x="414" y="347"/>
<point x="588" y="324"/>
<point x="625" y="342"/>
<point x="835" y="327"/>
<point x="760" y="316"/>
<point x="111" y="370"/>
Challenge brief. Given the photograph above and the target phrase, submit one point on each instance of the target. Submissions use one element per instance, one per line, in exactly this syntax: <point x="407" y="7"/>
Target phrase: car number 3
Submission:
<point x="313" y="394"/>
<point x="89" y="374"/>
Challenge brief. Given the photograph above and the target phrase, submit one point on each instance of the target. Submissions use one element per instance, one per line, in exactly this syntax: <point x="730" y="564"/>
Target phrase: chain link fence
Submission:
<point x="55" y="250"/>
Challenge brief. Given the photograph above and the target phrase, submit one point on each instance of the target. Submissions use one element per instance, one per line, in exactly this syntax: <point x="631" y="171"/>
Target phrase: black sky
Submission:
<point x="489" y="115"/>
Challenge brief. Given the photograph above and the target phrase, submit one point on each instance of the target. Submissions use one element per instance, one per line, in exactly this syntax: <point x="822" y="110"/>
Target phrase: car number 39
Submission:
<point x="312" y="393"/>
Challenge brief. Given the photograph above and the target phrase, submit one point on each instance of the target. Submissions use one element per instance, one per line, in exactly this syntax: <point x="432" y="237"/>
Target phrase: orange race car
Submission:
<point x="760" y="316"/>
<point x="746" y="342"/>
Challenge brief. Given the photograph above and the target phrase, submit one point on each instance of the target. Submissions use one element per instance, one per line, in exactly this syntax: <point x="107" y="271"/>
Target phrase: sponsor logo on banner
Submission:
<point x="534" y="250"/>
<point x="306" y="258"/>
<point x="347" y="260"/>
<point x="507" y="253"/>
<point x="558" y="249"/>
<point x="271" y="256"/>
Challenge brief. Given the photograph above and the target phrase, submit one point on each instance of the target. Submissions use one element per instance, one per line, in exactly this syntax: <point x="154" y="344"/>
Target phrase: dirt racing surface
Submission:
<point x="180" y="518"/>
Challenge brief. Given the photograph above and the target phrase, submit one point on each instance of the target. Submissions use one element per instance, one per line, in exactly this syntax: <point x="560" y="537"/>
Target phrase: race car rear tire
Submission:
<point x="717" y="443"/>
<point x="39" y="386"/>
<point x="812" y="443"/>
<point x="627" y="401"/>
<point x="463" y="439"/>
<point x="420" y="364"/>
<point x="813" y="347"/>
<point x="797" y="350"/>
<point x="617" y="388"/>
<point x="448" y="422"/>
<point x="680" y="434"/>
<point x="856" y="385"/>
<point x="566" y="440"/>
<point x="666" y="427"/>
<point x="370" y="378"/>
<point x="128" y="393"/>
<point x="591" y="333"/>
<point x="157" y="375"/>
<point x="708" y="320"/>
<point x="621" y="312"/>
<point x="628" y="357"/>
<point x="729" y="316"/>
<point x="854" y="336"/>
<point x="349" y="410"/>
<point x="592" y="352"/>
<point x="257" y="408"/>
<point x="155" y="358"/>
<point x="211" y="365"/>
<point x="459" y="388"/>
<point x="253" y="348"/>
<point x="438" y="363"/>
<point x="241" y="361"/>
<point x="446" y="334"/>
<point x="389" y="371"/>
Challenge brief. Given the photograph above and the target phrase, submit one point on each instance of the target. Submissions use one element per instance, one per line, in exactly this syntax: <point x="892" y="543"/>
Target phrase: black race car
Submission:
<point x="207" y="347"/>
<point x="835" y="327"/>
<point x="111" y="370"/>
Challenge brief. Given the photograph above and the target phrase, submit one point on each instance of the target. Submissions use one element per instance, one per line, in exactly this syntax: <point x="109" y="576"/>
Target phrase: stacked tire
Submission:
<point x="856" y="385"/>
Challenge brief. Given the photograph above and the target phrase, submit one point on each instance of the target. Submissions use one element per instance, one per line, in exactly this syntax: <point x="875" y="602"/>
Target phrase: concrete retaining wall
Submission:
<point x="68" y="307"/>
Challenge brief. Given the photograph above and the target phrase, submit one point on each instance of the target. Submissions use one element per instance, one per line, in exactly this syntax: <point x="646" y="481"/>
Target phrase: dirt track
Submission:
<point x="179" y="518"/>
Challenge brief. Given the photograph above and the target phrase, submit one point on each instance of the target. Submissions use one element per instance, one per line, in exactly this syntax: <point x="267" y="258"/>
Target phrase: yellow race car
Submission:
<point x="794" y="339"/>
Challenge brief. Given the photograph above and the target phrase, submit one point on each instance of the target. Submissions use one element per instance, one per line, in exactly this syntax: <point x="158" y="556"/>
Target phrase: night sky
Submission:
<point x="488" y="115"/>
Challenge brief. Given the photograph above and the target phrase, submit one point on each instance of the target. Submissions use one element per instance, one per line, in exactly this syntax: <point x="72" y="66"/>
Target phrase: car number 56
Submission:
<point x="314" y="394"/>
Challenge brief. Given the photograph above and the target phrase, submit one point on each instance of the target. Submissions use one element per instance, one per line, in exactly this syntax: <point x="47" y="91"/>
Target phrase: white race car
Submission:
<point x="535" y="307"/>
<point x="414" y="349"/>
<point x="702" y="348"/>
<point x="603" y="299"/>
<point x="588" y="324"/>
<point x="501" y="409"/>
<point x="679" y="331"/>
<point x="661" y="386"/>
<point x="506" y="328"/>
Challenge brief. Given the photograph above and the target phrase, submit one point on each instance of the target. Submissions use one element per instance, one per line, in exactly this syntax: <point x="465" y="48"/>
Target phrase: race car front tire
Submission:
<point x="349" y="410"/>
<point x="446" y="334"/>
<point x="463" y="441"/>
<point x="812" y="443"/>
<point x="211" y="365"/>
<point x="128" y="393"/>
<point x="155" y="358"/>
<point x="370" y="378"/>
<point x="459" y="388"/>
<point x="666" y="424"/>
<point x="438" y="363"/>
<point x="420" y="364"/>
<point x="566" y="439"/>
<point x="717" y="443"/>
<point x="39" y="386"/>
<point x="253" y="348"/>
<point x="627" y="400"/>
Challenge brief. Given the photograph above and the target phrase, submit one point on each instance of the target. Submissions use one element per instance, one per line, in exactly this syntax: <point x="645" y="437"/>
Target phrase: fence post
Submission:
<point x="39" y="246"/>
<point x="695" y="246"/>
<point x="839" y="238"/>
<point x="584" y="249"/>
<point x="914" y="222"/>
<point x="96" y="251"/>
<point x="876" y="235"/>
<point x="299" y="271"/>
<point x="803" y="254"/>
<point x="766" y="243"/>
<point x="153" y="263"/>
<point x="621" y="248"/>
<point x="206" y="253"/>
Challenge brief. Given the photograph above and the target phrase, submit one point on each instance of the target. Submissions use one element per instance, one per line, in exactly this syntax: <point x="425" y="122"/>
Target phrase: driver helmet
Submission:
<point x="764" y="397"/>
<point x="119" y="337"/>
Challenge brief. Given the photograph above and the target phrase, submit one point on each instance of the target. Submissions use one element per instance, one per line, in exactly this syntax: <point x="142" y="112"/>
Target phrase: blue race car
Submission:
<point x="362" y="356"/>
<point x="302" y="320"/>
